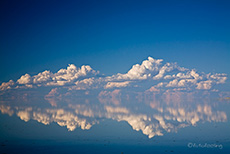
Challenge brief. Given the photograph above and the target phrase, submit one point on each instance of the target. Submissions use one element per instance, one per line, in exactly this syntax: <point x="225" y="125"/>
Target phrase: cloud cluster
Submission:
<point x="140" y="72"/>
<point x="158" y="75"/>
<point x="192" y="79"/>
<point x="116" y="84"/>
<point x="63" y="77"/>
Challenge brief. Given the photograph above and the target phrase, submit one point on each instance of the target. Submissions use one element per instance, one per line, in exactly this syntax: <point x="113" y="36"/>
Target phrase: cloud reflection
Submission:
<point x="151" y="97"/>
<point x="153" y="114"/>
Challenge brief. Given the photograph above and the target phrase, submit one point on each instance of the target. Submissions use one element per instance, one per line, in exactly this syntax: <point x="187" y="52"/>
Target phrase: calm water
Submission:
<point x="114" y="121"/>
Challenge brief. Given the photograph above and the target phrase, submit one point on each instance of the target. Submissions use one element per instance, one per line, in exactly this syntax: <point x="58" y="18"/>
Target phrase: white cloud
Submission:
<point x="7" y="85"/>
<point x="140" y="72"/>
<point x="219" y="78"/>
<point x="166" y="68"/>
<point x="71" y="74"/>
<point x="43" y="77"/>
<point x="87" y="83"/>
<point x="63" y="77"/>
<point x="204" y="84"/>
<point x="153" y="88"/>
<point x="150" y="72"/>
<point x="117" y="84"/>
<point x="25" y="79"/>
<point x="173" y="83"/>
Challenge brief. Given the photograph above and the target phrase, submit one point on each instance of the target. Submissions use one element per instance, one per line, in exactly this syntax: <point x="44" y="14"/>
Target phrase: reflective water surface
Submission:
<point x="153" y="113"/>
<point x="114" y="114"/>
<point x="153" y="108"/>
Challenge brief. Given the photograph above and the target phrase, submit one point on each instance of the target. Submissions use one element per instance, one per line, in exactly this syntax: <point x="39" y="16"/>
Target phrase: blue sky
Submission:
<point x="111" y="36"/>
<point x="39" y="38"/>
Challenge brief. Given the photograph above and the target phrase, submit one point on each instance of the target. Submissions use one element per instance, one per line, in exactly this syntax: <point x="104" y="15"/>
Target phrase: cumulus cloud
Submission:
<point x="150" y="72"/>
<point x="67" y="76"/>
<point x="168" y="67"/>
<point x="204" y="84"/>
<point x="7" y="85"/>
<point x="25" y="79"/>
<point x="117" y="84"/>
<point x="88" y="83"/>
<point x="43" y="77"/>
<point x="140" y="72"/>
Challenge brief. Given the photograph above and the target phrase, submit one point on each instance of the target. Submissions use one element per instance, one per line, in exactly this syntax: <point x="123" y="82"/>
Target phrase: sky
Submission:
<point x="81" y="70"/>
<point x="111" y="36"/>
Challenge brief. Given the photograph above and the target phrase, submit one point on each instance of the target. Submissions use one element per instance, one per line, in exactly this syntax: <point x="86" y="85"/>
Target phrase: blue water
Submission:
<point x="109" y="124"/>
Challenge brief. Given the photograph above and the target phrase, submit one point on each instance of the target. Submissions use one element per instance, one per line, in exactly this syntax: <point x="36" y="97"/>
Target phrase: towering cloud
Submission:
<point x="141" y="72"/>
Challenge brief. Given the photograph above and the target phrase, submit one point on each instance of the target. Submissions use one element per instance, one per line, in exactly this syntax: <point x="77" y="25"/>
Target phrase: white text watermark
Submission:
<point x="205" y="145"/>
